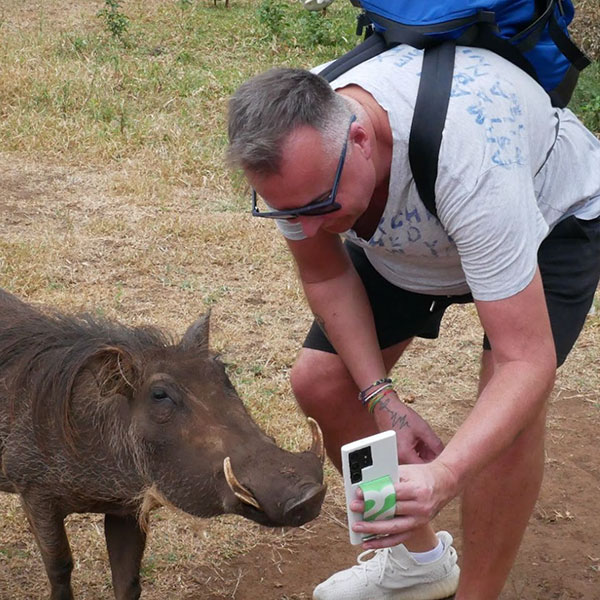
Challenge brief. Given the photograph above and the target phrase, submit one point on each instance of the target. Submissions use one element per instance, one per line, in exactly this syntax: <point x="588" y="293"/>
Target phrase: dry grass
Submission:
<point x="135" y="216"/>
<point x="154" y="104"/>
<point x="70" y="241"/>
<point x="586" y="27"/>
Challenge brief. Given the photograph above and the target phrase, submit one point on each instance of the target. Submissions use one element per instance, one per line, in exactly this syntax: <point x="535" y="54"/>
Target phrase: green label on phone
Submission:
<point x="380" y="499"/>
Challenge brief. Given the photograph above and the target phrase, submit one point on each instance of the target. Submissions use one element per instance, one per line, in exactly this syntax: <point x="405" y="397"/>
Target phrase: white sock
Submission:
<point x="429" y="556"/>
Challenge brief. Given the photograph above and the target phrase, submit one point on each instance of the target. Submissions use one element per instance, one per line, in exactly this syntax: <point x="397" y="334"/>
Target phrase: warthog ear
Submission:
<point x="196" y="336"/>
<point x="117" y="373"/>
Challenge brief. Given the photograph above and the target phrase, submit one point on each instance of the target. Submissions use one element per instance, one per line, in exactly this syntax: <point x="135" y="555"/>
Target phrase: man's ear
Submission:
<point x="361" y="139"/>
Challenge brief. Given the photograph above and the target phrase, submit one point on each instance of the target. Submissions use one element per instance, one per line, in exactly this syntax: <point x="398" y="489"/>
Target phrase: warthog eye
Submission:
<point x="159" y="394"/>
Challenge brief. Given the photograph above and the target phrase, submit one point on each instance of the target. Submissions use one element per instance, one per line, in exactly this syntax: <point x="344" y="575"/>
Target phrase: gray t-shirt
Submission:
<point x="510" y="167"/>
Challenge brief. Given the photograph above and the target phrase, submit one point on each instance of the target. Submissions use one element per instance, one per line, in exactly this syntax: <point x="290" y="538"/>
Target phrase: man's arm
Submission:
<point x="524" y="362"/>
<point x="512" y="398"/>
<point x="339" y="302"/>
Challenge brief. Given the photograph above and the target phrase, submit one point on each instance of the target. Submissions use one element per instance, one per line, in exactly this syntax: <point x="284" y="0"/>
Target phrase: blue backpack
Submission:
<point x="531" y="34"/>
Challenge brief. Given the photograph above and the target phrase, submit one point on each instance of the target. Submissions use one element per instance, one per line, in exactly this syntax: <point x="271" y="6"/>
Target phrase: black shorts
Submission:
<point x="569" y="261"/>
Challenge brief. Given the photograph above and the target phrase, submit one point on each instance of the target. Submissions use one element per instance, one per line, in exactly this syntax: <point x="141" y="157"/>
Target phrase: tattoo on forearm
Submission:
<point x="398" y="421"/>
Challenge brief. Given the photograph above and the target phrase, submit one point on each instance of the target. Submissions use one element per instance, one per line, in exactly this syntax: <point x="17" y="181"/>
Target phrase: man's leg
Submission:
<point x="497" y="504"/>
<point x="496" y="507"/>
<point x="325" y="391"/>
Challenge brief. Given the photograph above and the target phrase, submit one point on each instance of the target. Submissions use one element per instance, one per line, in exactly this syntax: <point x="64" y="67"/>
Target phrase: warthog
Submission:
<point x="99" y="417"/>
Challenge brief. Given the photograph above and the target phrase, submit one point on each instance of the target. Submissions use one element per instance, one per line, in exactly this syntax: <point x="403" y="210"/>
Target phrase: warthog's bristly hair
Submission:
<point x="150" y="500"/>
<point x="45" y="352"/>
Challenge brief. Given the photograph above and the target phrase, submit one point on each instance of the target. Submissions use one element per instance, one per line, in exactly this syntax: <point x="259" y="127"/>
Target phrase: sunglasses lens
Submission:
<point x="261" y="209"/>
<point x="323" y="210"/>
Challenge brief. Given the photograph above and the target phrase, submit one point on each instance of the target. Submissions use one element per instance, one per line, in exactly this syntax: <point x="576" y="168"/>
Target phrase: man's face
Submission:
<point x="308" y="171"/>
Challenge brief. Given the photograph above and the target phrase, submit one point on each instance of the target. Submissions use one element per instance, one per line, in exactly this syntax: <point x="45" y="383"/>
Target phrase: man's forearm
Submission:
<point x="512" y="399"/>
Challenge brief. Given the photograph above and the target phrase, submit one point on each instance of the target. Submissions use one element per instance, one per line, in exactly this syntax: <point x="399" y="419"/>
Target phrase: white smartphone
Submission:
<point x="372" y="464"/>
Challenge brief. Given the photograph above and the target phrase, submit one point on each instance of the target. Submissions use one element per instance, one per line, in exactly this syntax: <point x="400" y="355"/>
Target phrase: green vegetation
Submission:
<point x="305" y="29"/>
<point x="148" y="83"/>
<point x="115" y="21"/>
<point x="586" y="100"/>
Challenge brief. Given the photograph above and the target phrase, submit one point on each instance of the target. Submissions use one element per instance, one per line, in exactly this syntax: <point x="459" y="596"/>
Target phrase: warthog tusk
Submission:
<point x="318" y="446"/>
<point x="236" y="487"/>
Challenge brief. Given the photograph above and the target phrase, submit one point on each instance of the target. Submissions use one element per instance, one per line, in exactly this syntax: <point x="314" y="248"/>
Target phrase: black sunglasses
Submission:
<point x="323" y="205"/>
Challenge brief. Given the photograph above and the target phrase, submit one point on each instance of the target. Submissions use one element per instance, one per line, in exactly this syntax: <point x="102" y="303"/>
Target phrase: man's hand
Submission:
<point x="422" y="491"/>
<point x="417" y="442"/>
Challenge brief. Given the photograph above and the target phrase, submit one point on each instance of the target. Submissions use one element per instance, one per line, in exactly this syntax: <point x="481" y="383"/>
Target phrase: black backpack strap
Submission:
<point x="423" y="36"/>
<point x="562" y="93"/>
<point x="429" y="118"/>
<point x="576" y="57"/>
<point x="372" y="46"/>
<point x="528" y="37"/>
<point x="487" y="38"/>
<point x="430" y="109"/>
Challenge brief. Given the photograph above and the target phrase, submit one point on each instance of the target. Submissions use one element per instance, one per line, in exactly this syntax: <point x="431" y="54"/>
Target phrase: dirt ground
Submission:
<point x="560" y="556"/>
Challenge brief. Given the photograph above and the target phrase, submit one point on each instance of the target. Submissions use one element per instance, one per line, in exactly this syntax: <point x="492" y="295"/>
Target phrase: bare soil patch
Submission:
<point x="559" y="559"/>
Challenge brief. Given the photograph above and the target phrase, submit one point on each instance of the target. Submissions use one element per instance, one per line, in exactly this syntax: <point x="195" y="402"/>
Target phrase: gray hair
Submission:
<point x="268" y="107"/>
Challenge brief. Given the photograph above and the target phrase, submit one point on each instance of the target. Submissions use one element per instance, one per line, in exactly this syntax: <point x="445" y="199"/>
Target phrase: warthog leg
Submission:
<point x="125" y="542"/>
<point x="48" y="527"/>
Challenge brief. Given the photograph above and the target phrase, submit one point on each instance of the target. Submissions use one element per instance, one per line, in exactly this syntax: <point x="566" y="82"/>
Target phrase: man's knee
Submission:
<point x="317" y="379"/>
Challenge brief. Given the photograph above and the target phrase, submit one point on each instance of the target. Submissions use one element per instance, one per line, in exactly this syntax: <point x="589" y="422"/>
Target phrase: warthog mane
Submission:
<point x="43" y="353"/>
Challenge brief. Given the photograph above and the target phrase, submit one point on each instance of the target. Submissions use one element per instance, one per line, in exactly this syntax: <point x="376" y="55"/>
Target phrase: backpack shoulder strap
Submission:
<point x="561" y="94"/>
<point x="372" y="46"/>
<point x="431" y="108"/>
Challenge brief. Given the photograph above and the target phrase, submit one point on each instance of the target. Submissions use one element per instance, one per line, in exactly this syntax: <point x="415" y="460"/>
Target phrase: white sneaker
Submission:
<point x="393" y="574"/>
<point x="316" y="4"/>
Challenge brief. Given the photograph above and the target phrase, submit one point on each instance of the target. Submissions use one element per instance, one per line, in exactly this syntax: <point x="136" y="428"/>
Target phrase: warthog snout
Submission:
<point x="298" y="511"/>
<point x="274" y="491"/>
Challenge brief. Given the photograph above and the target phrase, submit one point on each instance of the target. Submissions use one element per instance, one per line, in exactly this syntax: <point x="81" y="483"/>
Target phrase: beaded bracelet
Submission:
<point x="362" y="395"/>
<point x="378" y="398"/>
<point x="366" y="399"/>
